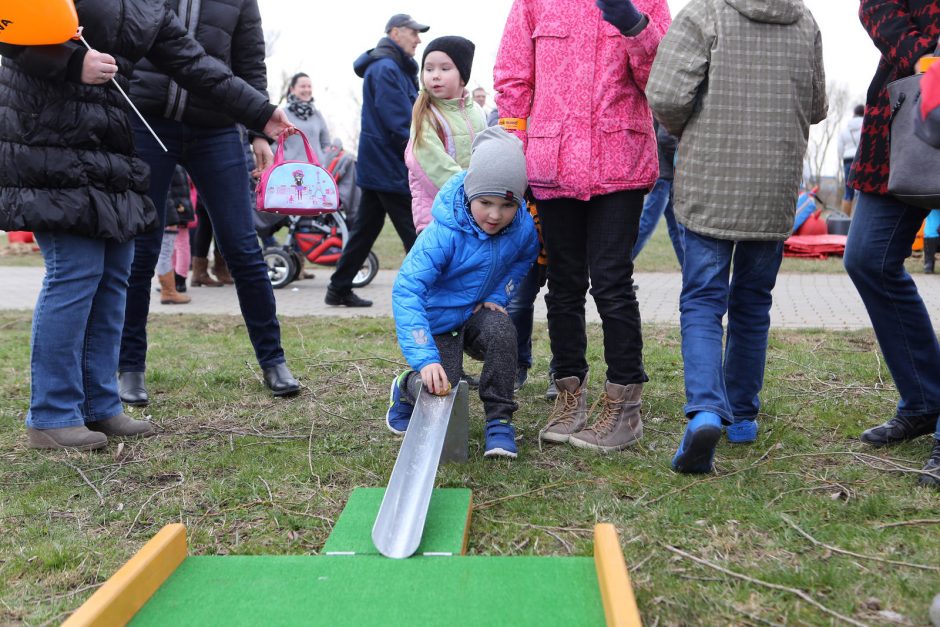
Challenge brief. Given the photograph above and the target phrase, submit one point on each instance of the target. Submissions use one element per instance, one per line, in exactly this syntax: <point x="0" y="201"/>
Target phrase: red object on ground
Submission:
<point x="814" y="225"/>
<point x="814" y="246"/>
<point x="20" y="237"/>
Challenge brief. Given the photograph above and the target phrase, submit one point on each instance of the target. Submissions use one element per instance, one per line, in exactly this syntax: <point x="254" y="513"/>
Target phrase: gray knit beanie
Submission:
<point x="497" y="166"/>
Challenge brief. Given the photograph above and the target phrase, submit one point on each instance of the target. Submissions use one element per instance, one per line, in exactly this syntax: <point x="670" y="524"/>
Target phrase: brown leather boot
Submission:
<point x="201" y="276"/>
<point x="122" y="425"/>
<point x="570" y="412"/>
<point x="619" y="425"/>
<point x="220" y="270"/>
<point x="168" y="293"/>
<point x="79" y="438"/>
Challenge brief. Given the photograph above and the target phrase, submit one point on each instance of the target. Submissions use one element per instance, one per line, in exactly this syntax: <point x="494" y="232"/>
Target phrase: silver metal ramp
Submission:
<point x="438" y="432"/>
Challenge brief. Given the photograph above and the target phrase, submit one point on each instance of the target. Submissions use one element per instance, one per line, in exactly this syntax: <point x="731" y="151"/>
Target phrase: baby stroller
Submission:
<point x="317" y="233"/>
<point x="317" y="239"/>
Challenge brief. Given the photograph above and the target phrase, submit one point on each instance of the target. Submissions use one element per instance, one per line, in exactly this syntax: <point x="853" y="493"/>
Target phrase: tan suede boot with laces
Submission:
<point x="570" y="412"/>
<point x="619" y="425"/>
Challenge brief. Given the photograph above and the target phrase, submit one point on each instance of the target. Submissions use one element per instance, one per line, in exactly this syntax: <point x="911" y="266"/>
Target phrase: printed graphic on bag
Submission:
<point x="300" y="186"/>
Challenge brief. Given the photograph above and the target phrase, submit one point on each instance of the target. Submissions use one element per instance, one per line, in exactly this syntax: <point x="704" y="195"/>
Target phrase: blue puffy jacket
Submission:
<point x="388" y="95"/>
<point x="453" y="267"/>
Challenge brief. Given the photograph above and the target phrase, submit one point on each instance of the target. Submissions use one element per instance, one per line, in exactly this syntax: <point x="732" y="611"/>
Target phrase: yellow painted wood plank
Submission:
<point x="116" y="602"/>
<point x="620" y="607"/>
<point x="466" y="529"/>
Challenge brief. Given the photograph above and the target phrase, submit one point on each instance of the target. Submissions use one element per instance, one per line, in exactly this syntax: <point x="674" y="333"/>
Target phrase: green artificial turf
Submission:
<point x="444" y="528"/>
<point x="367" y="590"/>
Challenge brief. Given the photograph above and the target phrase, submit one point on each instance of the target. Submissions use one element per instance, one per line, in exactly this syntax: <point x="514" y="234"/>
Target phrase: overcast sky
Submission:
<point x="323" y="38"/>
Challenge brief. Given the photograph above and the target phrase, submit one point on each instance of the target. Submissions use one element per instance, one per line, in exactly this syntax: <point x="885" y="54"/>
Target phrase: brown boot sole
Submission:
<point x="574" y="441"/>
<point x="39" y="440"/>
<point x="175" y="302"/>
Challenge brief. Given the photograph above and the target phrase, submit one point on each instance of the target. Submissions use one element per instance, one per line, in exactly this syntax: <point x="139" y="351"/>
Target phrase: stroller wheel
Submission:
<point x="299" y="263"/>
<point x="281" y="266"/>
<point x="370" y="267"/>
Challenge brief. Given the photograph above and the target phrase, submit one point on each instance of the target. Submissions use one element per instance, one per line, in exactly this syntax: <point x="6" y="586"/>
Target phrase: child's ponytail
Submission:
<point x="421" y="114"/>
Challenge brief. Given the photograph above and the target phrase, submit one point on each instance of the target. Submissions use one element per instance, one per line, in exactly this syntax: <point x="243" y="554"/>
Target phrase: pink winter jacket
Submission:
<point x="580" y="82"/>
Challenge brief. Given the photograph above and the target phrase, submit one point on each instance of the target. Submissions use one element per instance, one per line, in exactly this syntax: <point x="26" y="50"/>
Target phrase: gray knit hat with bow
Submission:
<point x="497" y="166"/>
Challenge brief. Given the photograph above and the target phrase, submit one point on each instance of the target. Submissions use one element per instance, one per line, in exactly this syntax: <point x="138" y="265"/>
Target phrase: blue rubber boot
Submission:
<point x="399" y="410"/>
<point x="500" y="439"/>
<point x="697" y="448"/>
<point x="742" y="432"/>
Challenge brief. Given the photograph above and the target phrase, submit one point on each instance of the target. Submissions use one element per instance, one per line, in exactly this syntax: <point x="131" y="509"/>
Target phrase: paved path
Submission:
<point x="800" y="300"/>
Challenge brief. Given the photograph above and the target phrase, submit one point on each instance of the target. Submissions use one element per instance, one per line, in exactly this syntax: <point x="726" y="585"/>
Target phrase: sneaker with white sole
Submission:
<point x="399" y="410"/>
<point x="500" y="439"/>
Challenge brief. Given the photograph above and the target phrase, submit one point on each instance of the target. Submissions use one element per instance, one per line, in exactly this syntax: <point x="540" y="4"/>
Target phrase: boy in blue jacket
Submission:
<point x="451" y="294"/>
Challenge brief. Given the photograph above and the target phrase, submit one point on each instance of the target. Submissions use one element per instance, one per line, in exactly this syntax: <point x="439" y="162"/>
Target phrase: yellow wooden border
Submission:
<point x="620" y="607"/>
<point x="466" y="529"/>
<point x="116" y="602"/>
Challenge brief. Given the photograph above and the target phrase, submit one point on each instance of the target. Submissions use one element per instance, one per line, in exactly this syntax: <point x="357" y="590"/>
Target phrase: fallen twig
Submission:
<point x="509" y="497"/>
<point x="85" y="479"/>
<point x="836" y="549"/>
<point x="909" y="523"/>
<point x="150" y="498"/>
<point x="766" y="584"/>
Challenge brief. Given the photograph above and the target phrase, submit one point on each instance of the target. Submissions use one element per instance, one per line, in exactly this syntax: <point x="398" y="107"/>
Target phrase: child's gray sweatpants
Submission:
<point x="488" y="336"/>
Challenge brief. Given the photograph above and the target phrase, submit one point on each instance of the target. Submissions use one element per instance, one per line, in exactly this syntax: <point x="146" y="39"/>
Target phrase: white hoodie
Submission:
<point x="848" y="138"/>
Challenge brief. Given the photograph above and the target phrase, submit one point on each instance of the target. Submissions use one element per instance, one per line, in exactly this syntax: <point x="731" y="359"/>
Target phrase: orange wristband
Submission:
<point x="513" y="124"/>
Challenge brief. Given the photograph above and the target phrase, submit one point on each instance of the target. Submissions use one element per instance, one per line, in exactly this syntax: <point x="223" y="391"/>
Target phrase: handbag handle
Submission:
<point x="279" y="155"/>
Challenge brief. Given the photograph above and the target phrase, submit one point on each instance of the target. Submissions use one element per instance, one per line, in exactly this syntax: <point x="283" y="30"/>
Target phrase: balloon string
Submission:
<point x="113" y="80"/>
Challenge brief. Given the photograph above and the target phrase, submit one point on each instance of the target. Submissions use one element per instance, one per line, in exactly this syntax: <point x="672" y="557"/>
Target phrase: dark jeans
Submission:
<point x="215" y="159"/>
<point x="490" y="337"/>
<point x="368" y="223"/>
<point x="593" y="240"/>
<point x="880" y="238"/>
<point x="658" y="204"/>
<point x="849" y="191"/>
<point x="726" y="384"/>
<point x="522" y="313"/>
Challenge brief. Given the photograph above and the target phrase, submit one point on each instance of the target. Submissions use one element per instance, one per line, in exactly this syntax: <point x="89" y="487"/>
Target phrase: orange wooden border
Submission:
<point x="620" y="607"/>
<point x="116" y="602"/>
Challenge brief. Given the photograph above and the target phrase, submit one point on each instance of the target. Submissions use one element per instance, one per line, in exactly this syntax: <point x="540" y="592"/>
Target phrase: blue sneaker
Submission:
<point x="399" y="410"/>
<point x="742" y="432"/>
<point x="697" y="449"/>
<point x="500" y="439"/>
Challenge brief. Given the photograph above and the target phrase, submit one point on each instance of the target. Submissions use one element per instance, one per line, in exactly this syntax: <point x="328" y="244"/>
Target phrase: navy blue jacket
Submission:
<point x="388" y="95"/>
<point x="453" y="267"/>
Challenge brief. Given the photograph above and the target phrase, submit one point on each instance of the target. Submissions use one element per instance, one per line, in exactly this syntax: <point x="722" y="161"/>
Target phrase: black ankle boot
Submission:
<point x="346" y="299"/>
<point x="930" y="250"/>
<point x="133" y="389"/>
<point x="900" y="429"/>
<point x="280" y="380"/>
<point x="180" y="282"/>
<point x="932" y="480"/>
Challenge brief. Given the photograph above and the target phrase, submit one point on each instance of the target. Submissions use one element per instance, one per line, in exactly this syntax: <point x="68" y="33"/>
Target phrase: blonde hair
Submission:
<point x="421" y="114"/>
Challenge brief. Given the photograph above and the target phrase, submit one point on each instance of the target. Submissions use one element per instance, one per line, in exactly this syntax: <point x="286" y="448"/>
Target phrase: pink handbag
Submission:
<point x="297" y="188"/>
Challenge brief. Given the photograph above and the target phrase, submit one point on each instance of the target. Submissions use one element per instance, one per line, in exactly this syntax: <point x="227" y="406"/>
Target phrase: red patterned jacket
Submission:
<point x="904" y="31"/>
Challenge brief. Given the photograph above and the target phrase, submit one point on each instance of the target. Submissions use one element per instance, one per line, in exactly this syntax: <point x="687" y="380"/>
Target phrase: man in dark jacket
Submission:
<point x="209" y="144"/>
<point x="388" y="94"/>
<point x="658" y="202"/>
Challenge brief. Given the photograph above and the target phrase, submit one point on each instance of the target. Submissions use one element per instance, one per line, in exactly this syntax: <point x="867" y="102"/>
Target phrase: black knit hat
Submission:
<point x="459" y="50"/>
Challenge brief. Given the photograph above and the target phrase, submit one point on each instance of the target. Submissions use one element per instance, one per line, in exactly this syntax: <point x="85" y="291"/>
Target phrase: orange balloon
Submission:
<point x="37" y="22"/>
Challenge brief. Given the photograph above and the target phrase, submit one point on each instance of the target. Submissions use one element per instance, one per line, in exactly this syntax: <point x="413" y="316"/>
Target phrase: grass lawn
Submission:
<point x="251" y="475"/>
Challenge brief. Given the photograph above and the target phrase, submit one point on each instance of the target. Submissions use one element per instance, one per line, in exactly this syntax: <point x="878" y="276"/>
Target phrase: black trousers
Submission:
<point x="489" y="336"/>
<point x="201" y="236"/>
<point x="593" y="241"/>
<point x="368" y="223"/>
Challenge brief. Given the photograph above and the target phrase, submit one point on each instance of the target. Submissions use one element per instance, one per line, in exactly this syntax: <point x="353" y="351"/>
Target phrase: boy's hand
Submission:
<point x="435" y="379"/>
<point x="491" y="307"/>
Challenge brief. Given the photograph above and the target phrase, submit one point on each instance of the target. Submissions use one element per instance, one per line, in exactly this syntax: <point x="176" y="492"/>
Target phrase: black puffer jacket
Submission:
<point x="230" y="31"/>
<point x="67" y="159"/>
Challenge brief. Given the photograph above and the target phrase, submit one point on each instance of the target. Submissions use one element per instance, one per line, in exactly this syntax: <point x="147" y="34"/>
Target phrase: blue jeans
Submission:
<point x="77" y="331"/>
<point x="521" y="311"/>
<point x="215" y="159"/>
<point x="726" y="384"/>
<point x="883" y="229"/>
<point x="846" y="169"/>
<point x="658" y="203"/>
